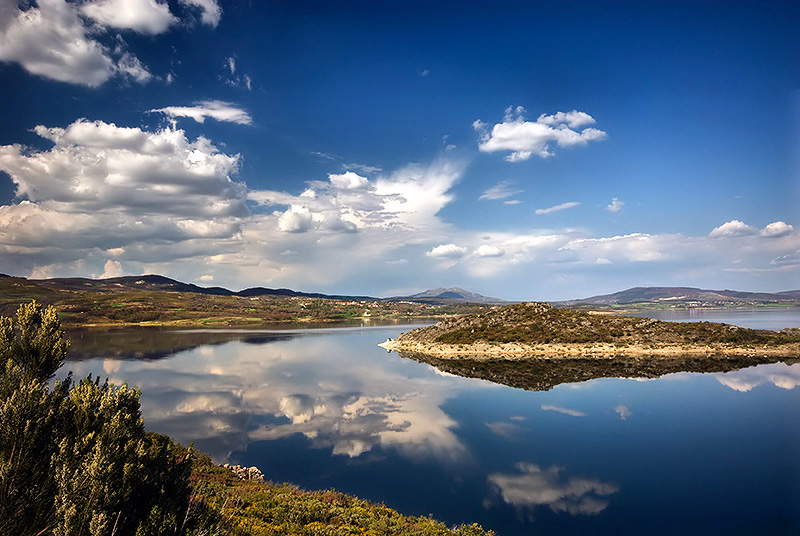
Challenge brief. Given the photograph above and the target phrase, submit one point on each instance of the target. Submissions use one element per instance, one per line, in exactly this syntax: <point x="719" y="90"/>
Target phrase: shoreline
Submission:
<point x="518" y="351"/>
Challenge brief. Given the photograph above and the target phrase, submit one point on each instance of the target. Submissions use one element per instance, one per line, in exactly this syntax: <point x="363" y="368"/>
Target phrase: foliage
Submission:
<point x="76" y="459"/>
<point x="256" y="508"/>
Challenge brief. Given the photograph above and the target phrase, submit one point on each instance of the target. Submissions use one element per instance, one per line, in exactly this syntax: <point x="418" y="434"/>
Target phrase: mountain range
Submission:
<point x="687" y="295"/>
<point x="437" y="296"/>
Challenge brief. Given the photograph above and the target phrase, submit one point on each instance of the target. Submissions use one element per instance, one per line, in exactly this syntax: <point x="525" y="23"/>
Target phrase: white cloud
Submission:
<point x="215" y="109"/>
<point x="615" y="205"/>
<point x="349" y="181"/>
<point x="447" y="251"/>
<point x="129" y="65"/>
<point x="102" y="187"/>
<point x="501" y="190"/>
<point x="777" y="229"/>
<point x="636" y="247"/>
<point x="562" y="206"/>
<point x="143" y="16"/>
<point x="297" y="219"/>
<point x="485" y="250"/>
<point x="533" y="487"/>
<point x="528" y="138"/>
<point x="51" y="41"/>
<point x="111" y="269"/>
<point x="210" y="11"/>
<point x="64" y="41"/>
<point x="733" y="228"/>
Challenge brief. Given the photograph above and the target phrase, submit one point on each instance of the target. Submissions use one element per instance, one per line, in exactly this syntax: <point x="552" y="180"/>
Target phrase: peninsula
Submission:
<point x="535" y="346"/>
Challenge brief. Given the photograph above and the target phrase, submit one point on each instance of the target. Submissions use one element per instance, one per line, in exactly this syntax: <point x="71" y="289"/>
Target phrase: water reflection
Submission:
<point x="779" y="374"/>
<point x="227" y="395"/>
<point x="331" y="409"/>
<point x="532" y="487"/>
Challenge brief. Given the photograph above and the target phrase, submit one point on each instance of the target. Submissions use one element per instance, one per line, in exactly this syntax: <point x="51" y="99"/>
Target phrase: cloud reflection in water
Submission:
<point x="225" y="396"/>
<point x="533" y="487"/>
<point x="779" y="374"/>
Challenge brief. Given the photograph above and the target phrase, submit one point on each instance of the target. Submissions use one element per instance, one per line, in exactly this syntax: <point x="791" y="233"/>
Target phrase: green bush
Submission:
<point x="75" y="459"/>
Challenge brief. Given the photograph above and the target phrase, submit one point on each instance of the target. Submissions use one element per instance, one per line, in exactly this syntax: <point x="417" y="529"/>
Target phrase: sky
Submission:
<point x="523" y="150"/>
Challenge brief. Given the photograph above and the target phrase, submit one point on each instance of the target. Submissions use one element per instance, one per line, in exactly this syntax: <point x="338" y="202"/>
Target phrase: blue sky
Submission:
<point x="525" y="150"/>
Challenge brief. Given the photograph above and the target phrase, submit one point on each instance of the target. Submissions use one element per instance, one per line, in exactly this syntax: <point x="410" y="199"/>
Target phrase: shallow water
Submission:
<point x="685" y="453"/>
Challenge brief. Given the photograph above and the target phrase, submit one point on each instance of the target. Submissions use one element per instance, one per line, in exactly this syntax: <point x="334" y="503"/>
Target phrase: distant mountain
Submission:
<point x="439" y="296"/>
<point x="683" y="295"/>
<point x="165" y="284"/>
<point x="143" y="282"/>
<point x="448" y="295"/>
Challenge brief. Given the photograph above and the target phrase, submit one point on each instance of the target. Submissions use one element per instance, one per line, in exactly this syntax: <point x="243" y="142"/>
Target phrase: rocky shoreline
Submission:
<point x="482" y="351"/>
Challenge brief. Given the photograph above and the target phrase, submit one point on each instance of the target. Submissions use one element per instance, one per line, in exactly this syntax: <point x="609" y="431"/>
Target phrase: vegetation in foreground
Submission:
<point x="75" y="459"/>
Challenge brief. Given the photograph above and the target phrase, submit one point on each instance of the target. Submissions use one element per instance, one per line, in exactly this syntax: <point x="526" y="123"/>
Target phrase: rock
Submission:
<point x="246" y="473"/>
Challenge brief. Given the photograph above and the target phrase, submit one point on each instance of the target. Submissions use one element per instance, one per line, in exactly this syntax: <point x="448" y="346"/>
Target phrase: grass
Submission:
<point x="240" y="507"/>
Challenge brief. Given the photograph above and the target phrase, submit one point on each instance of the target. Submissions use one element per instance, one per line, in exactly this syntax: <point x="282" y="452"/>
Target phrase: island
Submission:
<point x="535" y="346"/>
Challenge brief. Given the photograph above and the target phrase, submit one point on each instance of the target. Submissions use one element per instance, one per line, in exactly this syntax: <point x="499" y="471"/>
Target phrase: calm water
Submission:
<point x="686" y="453"/>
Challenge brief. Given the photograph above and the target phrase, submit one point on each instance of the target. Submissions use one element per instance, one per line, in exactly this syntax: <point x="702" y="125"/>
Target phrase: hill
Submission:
<point x="448" y="295"/>
<point x="160" y="283"/>
<point x="687" y="296"/>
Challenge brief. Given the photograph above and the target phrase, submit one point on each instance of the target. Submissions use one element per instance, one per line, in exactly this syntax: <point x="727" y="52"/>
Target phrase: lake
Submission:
<point x="684" y="453"/>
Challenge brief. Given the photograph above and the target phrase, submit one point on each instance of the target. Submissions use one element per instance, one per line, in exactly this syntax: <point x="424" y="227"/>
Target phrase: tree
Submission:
<point x="76" y="459"/>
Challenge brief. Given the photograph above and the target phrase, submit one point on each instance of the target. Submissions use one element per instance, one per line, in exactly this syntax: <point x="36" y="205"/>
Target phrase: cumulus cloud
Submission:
<point x="501" y="190"/>
<point x="529" y="138"/>
<point x="215" y="109"/>
<point x="349" y="181"/>
<point x="736" y="228"/>
<point x="533" y="487"/>
<point x="102" y="187"/>
<point x="447" y="251"/>
<point x="70" y="41"/>
<point x="732" y="228"/>
<point x="562" y="206"/>
<point x="485" y="250"/>
<point x="615" y="205"/>
<point x="51" y="41"/>
<point x="111" y="269"/>
<point x="143" y="16"/>
<point x="777" y="229"/>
